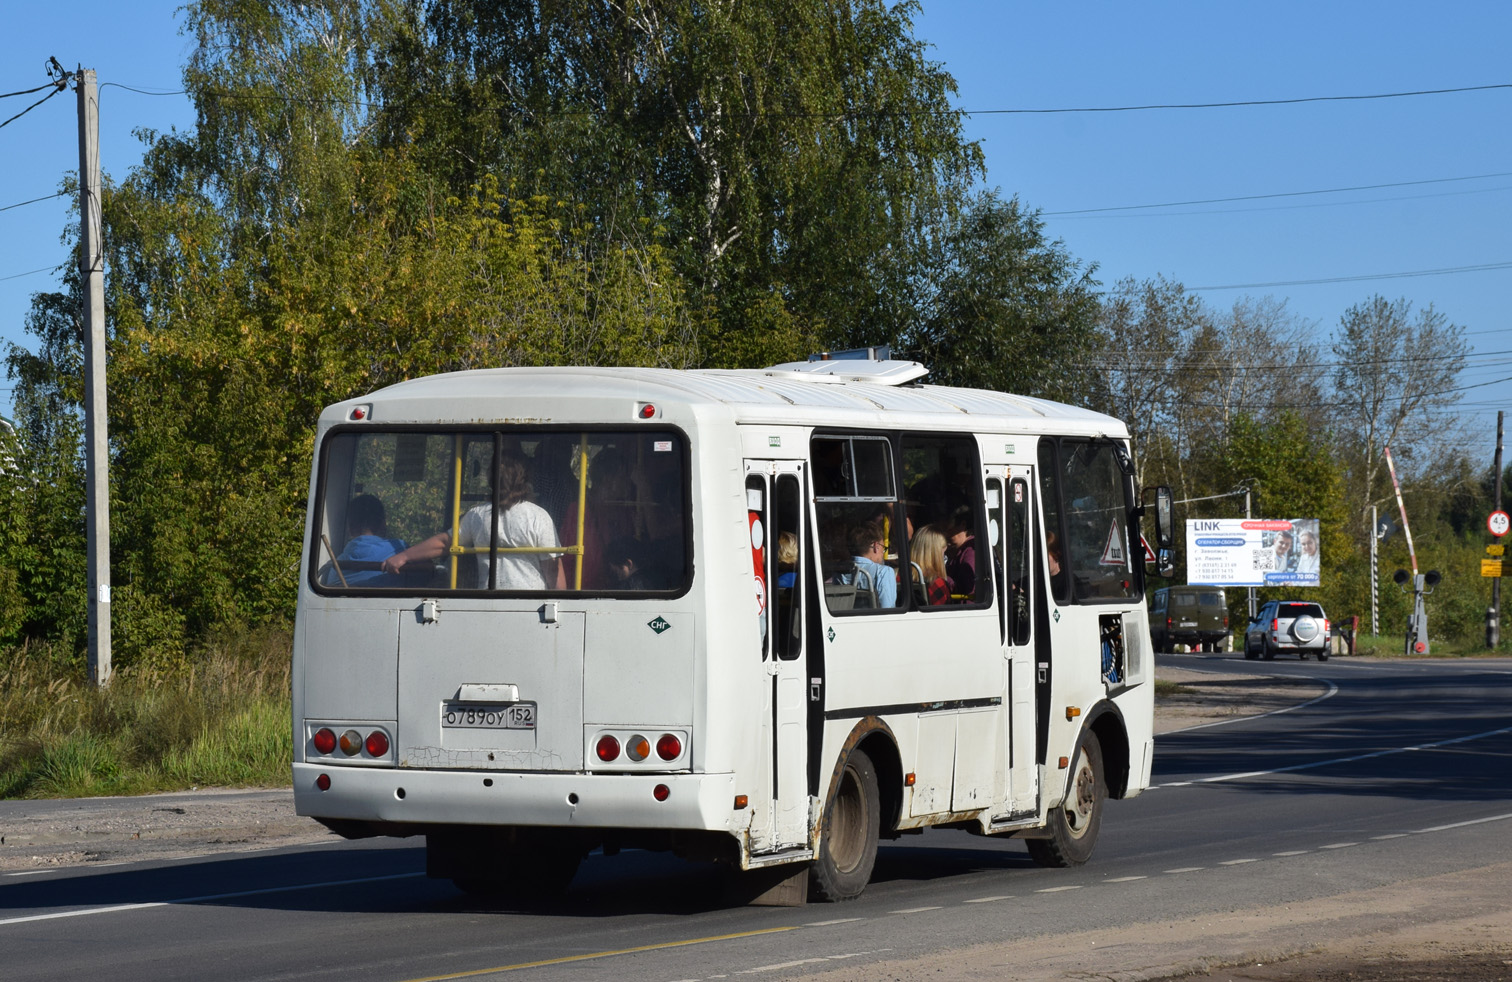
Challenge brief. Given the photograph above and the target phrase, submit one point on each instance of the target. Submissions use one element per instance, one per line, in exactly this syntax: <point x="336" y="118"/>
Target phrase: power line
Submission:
<point x="33" y="201"/>
<point x="1485" y="267"/>
<point x="1280" y="194"/>
<point x="1245" y="102"/>
<point x="39" y="88"/>
<point x="30" y="272"/>
<point x="55" y="91"/>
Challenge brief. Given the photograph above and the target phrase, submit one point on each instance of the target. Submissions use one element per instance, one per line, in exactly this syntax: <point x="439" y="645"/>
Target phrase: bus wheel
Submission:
<point x="848" y="838"/>
<point x="1074" y="823"/>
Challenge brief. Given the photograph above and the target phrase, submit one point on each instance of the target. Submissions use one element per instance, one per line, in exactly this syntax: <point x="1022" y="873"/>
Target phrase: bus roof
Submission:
<point x="852" y="393"/>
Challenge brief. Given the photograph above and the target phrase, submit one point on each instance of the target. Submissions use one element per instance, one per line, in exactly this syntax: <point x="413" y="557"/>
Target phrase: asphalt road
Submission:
<point x="1399" y="770"/>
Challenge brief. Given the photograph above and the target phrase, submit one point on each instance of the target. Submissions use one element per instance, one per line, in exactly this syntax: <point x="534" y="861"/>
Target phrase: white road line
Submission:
<point x="1185" y="869"/>
<point x="914" y="910"/>
<point x="1125" y="879"/>
<point x="34" y="872"/>
<point x="1460" y="825"/>
<point x="988" y="900"/>
<point x="1339" y="845"/>
<point x="1059" y="889"/>
<point x="1292" y="852"/>
<point x="838" y="920"/>
<point x="208" y="897"/>
<point x="1333" y="690"/>
<point x="1237" y="862"/>
<point x="1342" y="760"/>
<point x="1394" y="835"/>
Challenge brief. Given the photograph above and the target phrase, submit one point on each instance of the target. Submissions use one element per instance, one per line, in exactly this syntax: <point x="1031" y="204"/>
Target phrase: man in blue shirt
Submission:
<point x="869" y="551"/>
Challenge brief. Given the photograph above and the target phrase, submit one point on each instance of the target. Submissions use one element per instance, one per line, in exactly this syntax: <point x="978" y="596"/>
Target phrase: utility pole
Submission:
<point x="1375" y="592"/>
<point x="96" y="444"/>
<point x="1493" y="614"/>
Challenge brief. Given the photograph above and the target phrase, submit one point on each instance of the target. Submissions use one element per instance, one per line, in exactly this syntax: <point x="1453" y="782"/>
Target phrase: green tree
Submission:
<point x="1002" y="306"/>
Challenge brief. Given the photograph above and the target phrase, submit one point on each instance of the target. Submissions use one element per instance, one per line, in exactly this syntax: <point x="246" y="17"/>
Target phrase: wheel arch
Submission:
<point x="1107" y="724"/>
<point x="872" y="735"/>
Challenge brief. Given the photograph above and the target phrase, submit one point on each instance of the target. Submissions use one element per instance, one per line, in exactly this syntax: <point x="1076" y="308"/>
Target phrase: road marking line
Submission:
<point x="1394" y="835"/>
<point x="838" y="920"/>
<point x="914" y="910"/>
<point x="569" y="959"/>
<point x="34" y="872"/>
<point x="987" y="900"/>
<point x="1346" y="760"/>
<point x="1125" y="879"/>
<point x="1059" y="889"/>
<point x="208" y="897"/>
<point x="1292" y="852"/>
<point x="1460" y="825"/>
<point x="1339" y="845"/>
<point x="1186" y="869"/>
<point x="1237" y="862"/>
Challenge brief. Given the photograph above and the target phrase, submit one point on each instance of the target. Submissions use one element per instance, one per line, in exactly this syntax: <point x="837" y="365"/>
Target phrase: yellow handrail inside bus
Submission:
<point x="456" y="508"/>
<point x="579" y="550"/>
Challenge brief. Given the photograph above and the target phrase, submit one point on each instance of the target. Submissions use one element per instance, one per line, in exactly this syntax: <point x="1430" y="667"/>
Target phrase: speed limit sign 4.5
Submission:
<point x="1498" y="523"/>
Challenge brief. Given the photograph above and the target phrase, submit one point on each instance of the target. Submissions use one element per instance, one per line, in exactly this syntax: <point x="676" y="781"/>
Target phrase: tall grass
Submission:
<point x="216" y="716"/>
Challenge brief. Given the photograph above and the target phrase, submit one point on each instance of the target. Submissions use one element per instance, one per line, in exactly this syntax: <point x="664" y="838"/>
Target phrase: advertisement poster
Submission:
<point x="1252" y="552"/>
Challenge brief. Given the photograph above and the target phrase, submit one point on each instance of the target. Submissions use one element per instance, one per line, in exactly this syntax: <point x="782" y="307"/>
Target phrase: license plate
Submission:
<point x="471" y="716"/>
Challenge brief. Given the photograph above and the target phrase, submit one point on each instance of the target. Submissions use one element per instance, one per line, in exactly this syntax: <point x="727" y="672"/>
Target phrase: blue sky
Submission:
<point x="1020" y="56"/>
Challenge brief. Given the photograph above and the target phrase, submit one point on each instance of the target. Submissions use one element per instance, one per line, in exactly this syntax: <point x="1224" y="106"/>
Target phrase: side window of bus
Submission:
<point x="859" y="534"/>
<point x="789" y="568"/>
<point x="1050" y="496"/>
<point x="949" y="558"/>
<point x="1093" y="514"/>
<point x="1017" y="566"/>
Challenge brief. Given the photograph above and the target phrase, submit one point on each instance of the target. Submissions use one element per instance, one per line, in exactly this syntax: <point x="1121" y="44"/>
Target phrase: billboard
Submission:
<point x="1252" y="552"/>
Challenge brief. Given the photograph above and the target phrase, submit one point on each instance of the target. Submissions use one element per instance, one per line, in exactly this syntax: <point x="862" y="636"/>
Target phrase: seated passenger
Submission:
<point x="367" y="544"/>
<point x="960" y="559"/>
<point x="928" y="553"/>
<point x="787" y="560"/>
<point x="868" y="552"/>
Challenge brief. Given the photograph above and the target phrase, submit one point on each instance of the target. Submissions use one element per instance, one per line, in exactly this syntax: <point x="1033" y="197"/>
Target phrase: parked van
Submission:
<point x="1192" y="615"/>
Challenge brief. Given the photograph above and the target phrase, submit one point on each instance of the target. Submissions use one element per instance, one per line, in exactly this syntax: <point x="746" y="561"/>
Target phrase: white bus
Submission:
<point x="710" y="618"/>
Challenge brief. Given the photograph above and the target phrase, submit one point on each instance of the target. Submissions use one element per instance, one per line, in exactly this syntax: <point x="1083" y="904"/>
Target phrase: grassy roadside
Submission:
<point x="218" y="718"/>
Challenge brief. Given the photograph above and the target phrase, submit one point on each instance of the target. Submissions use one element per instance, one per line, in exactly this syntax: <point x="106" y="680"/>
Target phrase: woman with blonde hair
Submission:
<point x="928" y="553"/>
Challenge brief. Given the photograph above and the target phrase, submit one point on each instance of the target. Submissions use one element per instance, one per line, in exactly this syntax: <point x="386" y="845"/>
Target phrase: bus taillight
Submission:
<point x="608" y="748"/>
<point x="324" y="739"/>
<point x="669" y="747"/>
<point x="351" y="743"/>
<point x="661" y="792"/>
<point x="638" y="747"/>
<point x="377" y="744"/>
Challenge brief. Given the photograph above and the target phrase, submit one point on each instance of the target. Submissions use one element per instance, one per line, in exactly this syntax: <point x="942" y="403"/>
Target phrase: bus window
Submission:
<point x="1086" y="517"/>
<point x="859" y="533"/>
<point x="945" y="494"/>
<point x="410" y="512"/>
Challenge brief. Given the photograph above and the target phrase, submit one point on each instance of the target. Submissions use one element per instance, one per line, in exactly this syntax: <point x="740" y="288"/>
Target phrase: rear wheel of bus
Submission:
<point x="852" y="822"/>
<point x="1075" y="822"/>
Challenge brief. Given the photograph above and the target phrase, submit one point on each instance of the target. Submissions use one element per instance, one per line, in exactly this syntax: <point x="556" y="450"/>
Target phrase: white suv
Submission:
<point x="1287" y="625"/>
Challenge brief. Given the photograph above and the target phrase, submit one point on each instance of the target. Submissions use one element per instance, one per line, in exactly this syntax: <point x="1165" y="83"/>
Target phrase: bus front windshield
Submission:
<point x="506" y="511"/>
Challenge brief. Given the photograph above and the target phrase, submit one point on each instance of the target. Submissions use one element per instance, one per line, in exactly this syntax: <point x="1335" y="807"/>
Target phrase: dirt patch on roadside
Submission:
<point x="1208" y="697"/>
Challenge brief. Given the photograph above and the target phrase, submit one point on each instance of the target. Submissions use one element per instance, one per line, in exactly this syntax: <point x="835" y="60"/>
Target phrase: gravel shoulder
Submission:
<point x="1456" y="926"/>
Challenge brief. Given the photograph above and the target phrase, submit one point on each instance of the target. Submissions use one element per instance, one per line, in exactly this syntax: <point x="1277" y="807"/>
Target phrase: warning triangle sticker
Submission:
<point x="1149" y="553"/>
<point x="1115" y="552"/>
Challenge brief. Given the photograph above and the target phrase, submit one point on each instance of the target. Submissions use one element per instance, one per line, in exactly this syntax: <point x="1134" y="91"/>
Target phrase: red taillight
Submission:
<point x="661" y="792"/>
<point x="1276" y="624"/>
<point x="669" y="747"/>
<point x="1168" y="620"/>
<point x="323" y="782"/>
<point x="377" y="744"/>
<point x="608" y="748"/>
<point x="324" y="740"/>
<point x="647" y="410"/>
<point x="1325" y="625"/>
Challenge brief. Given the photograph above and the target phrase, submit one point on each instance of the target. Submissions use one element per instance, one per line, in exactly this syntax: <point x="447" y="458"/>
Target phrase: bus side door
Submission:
<point x="1010" y="510"/>
<point x="774" y="495"/>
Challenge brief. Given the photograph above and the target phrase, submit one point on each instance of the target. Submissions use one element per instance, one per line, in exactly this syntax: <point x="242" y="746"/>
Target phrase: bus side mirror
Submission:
<point x="1165" y="523"/>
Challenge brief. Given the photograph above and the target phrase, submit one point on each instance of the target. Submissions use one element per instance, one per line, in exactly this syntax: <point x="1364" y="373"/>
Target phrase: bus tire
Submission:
<point x="1075" y="822"/>
<point x="848" y="835"/>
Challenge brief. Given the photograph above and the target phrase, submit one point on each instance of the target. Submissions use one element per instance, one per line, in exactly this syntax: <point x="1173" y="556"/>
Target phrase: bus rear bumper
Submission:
<point x="415" y="798"/>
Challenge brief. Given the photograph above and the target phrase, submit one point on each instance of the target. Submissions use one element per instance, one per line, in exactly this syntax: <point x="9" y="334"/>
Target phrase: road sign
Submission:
<point x="1498" y="523"/>
<point x="1492" y="567"/>
<point x="1496" y="550"/>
